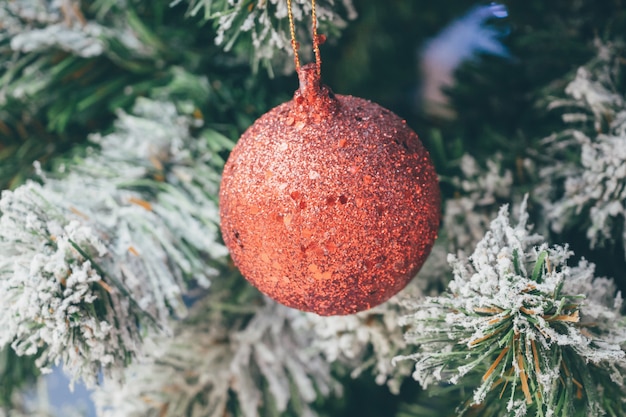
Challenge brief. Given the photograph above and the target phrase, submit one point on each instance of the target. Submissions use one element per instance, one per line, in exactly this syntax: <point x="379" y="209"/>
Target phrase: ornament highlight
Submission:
<point x="329" y="203"/>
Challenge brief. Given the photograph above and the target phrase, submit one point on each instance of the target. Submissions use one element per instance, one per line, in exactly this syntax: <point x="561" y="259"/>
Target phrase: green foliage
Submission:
<point x="17" y="372"/>
<point x="237" y="354"/>
<point x="522" y="331"/>
<point x="260" y="29"/>
<point x="52" y="95"/>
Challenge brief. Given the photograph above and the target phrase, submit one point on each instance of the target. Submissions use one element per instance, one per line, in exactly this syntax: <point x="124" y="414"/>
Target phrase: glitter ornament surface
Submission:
<point x="329" y="203"/>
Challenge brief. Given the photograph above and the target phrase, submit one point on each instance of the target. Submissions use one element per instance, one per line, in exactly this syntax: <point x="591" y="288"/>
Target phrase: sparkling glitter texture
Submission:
<point x="329" y="203"/>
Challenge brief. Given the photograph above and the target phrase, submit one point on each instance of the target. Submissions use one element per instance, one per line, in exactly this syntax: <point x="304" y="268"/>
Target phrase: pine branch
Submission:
<point x="366" y="341"/>
<point x="528" y="334"/>
<point x="235" y="354"/>
<point x="584" y="166"/>
<point x="106" y="248"/>
<point x="479" y="192"/>
<point x="261" y="27"/>
<point x="48" y="52"/>
<point x="65" y="70"/>
<point x="16" y="373"/>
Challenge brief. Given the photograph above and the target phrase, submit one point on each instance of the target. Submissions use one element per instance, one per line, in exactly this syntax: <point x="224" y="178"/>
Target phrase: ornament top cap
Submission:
<point x="313" y="98"/>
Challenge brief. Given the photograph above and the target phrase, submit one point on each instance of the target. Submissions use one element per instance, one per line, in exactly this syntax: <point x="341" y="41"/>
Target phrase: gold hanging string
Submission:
<point x="316" y="45"/>
<point x="292" y="31"/>
<point x="316" y="38"/>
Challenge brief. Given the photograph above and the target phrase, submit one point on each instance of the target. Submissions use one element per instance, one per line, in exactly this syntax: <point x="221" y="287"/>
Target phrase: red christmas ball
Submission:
<point x="329" y="203"/>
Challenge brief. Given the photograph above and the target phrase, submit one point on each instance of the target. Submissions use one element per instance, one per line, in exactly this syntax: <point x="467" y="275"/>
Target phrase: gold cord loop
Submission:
<point x="316" y="37"/>
<point x="292" y="31"/>
<point x="316" y="45"/>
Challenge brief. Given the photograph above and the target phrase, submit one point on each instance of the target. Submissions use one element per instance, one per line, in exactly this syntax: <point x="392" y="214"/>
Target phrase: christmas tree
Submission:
<point x="117" y="119"/>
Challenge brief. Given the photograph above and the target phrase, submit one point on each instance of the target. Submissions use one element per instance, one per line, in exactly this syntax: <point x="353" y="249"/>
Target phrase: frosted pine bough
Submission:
<point x="49" y="292"/>
<point x="480" y="190"/>
<point x="594" y="181"/>
<point x="249" y="362"/>
<point x="94" y="260"/>
<point x="33" y="30"/>
<point x="37" y="25"/>
<point x="265" y="22"/>
<point x="516" y="328"/>
<point x="30" y="26"/>
<point x="366" y="341"/>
